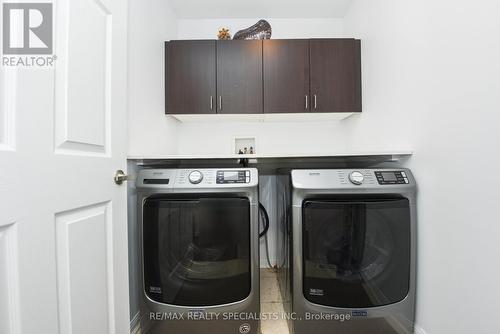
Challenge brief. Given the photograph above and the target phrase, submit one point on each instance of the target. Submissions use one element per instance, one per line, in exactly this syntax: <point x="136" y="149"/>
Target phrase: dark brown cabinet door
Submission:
<point x="335" y="75"/>
<point x="190" y="77"/>
<point x="286" y="76"/>
<point x="239" y="77"/>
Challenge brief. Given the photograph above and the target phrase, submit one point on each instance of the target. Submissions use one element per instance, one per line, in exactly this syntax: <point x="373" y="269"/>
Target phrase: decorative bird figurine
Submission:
<point x="260" y="30"/>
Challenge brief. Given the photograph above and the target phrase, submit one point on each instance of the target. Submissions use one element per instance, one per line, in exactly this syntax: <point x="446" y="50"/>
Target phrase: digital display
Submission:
<point x="231" y="176"/>
<point x="389" y="176"/>
<point x="156" y="181"/>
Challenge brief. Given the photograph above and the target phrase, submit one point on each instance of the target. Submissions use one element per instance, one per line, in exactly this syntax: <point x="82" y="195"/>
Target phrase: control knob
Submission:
<point x="195" y="177"/>
<point x="356" y="178"/>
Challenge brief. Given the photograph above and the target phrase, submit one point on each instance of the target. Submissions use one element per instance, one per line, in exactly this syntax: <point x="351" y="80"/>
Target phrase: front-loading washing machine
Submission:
<point x="200" y="256"/>
<point x="353" y="251"/>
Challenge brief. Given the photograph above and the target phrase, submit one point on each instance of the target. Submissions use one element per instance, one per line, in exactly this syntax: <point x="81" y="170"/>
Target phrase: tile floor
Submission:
<point x="270" y="302"/>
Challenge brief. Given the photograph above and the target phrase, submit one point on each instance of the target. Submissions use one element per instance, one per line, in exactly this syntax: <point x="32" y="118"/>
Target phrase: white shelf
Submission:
<point x="395" y="154"/>
<point x="295" y="117"/>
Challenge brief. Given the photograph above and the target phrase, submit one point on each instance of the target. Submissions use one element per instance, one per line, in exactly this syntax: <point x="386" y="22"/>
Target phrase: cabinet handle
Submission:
<point x="220" y="102"/>
<point x="307" y="102"/>
<point x="315" y="101"/>
<point x="211" y="102"/>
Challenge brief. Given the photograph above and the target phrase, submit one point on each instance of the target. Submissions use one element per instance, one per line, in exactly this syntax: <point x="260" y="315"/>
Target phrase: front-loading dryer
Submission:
<point x="353" y="256"/>
<point x="200" y="255"/>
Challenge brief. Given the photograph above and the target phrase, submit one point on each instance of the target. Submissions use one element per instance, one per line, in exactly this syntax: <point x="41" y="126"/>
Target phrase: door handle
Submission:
<point x="120" y="176"/>
<point x="211" y="102"/>
<point x="307" y="102"/>
<point x="315" y="101"/>
<point x="220" y="102"/>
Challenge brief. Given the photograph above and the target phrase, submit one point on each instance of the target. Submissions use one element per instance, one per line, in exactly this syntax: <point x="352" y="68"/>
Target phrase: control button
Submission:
<point x="403" y="174"/>
<point x="195" y="177"/>
<point x="248" y="179"/>
<point x="247" y="173"/>
<point x="356" y="178"/>
<point x="406" y="181"/>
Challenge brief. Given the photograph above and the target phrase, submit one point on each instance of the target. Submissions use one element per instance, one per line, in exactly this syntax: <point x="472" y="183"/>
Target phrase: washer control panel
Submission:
<point x="391" y="177"/>
<point x="199" y="178"/>
<point x="233" y="176"/>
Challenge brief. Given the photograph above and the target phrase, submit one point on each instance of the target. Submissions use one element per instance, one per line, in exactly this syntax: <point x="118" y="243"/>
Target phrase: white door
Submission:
<point x="63" y="239"/>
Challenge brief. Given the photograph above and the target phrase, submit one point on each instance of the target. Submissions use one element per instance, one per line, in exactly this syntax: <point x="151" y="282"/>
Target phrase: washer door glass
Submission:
<point x="196" y="250"/>
<point x="356" y="251"/>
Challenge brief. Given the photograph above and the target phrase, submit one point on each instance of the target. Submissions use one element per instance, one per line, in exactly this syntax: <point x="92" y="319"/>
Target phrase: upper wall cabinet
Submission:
<point x="335" y="75"/>
<point x="190" y="77"/>
<point x="208" y="77"/>
<point x="286" y="76"/>
<point x="239" y="77"/>
<point x="271" y="77"/>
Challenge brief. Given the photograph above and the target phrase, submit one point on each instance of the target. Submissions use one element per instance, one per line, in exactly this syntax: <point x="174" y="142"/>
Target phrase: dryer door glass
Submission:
<point x="356" y="252"/>
<point x="196" y="250"/>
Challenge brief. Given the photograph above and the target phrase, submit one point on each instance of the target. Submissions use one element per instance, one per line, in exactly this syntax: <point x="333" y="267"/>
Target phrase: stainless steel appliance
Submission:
<point x="200" y="255"/>
<point x="353" y="251"/>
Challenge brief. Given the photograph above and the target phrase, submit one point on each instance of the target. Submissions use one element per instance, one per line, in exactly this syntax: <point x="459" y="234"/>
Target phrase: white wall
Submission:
<point x="150" y="132"/>
<point x="271" y="138"/>
<point x="431" y="78"/>
<point x="151" y="23"/>
<point x="281" y="28"/>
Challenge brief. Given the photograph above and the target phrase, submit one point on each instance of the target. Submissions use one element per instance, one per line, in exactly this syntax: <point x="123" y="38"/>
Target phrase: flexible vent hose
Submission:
<point x="264" y="217"/>
<point x="263" y="213"/>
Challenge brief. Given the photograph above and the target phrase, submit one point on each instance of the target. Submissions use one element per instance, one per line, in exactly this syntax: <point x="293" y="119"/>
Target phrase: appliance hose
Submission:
<point x="263" y="214"/>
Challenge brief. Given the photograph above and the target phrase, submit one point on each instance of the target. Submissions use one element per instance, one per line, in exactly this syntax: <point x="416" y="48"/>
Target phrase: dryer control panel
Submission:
<point x="233" y="176"/>
<point x="391" y="177"/>
<point x="352" y="178"/>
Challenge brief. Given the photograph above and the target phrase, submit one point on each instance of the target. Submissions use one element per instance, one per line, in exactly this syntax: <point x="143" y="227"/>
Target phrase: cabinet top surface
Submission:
<point x="268" y="40"/>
